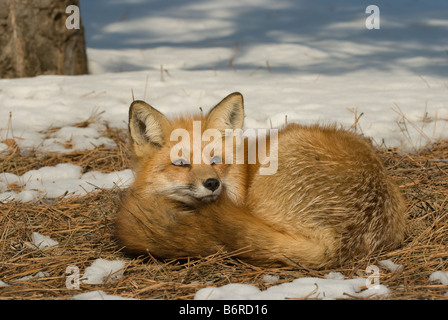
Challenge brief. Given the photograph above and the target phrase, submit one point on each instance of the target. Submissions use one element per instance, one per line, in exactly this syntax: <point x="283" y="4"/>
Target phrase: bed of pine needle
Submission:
<point x="84" y="228"/>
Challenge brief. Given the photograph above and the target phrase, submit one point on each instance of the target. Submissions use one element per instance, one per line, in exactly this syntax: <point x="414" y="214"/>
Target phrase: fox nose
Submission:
<point x="211" y="184"/>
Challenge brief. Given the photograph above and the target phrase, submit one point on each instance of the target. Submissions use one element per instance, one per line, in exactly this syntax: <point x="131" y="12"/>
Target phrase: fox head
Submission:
<point x="173" y="158"/>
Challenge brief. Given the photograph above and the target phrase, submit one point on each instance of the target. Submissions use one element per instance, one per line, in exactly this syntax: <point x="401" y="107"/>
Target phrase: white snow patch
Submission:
<point x="42" y="241"/>
<point x="40" y="274"/>
<point x="98" y="295"/>
<point x="391" y="266"/>
<point x="439" y="276"/>
<point x="7" y="179"/>
<point x="69" y="139"/>
<point x="62" y="179"/>
<point x="103" y="270"/>
<point x="3" y="284"/>
<point x="270" y="279"/>
<point x="313" y="288"/>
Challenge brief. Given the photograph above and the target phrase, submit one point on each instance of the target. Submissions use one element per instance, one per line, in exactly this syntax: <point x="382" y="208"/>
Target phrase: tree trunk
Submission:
<point x="35" y="40"/>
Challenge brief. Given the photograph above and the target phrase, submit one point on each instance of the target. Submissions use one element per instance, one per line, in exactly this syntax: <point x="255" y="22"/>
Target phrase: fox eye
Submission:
<point x="181" y="163"/>
<point x="216" y="160"/>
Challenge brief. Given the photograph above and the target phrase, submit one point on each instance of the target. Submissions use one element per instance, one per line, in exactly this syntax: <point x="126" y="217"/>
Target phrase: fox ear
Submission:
<point x="147" y="127"/>
<point x="228" y="114"/>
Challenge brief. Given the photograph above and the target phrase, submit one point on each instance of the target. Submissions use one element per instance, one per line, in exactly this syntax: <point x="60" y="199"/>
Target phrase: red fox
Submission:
<point x="327" y="201"/>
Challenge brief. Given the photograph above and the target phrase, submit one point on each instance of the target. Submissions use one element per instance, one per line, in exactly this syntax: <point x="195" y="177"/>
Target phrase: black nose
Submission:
<point x="211" y="184"/>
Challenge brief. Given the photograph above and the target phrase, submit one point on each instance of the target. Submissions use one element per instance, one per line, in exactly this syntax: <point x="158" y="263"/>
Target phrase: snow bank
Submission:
<point x="64" y="178"/>
<point x="268" y="99"/>
<point x="312" y="62"/>
<point x="313" y="288"/>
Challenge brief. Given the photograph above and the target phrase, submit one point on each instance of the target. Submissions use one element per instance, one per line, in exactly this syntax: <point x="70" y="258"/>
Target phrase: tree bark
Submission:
<point x="34" y="39"/>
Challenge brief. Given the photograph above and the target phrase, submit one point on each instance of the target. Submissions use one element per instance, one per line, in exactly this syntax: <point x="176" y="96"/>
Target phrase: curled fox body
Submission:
<point x="329" y="201"/>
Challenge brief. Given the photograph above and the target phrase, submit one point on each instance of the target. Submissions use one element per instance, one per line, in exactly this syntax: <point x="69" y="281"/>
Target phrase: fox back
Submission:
<point x="328" y="200"/>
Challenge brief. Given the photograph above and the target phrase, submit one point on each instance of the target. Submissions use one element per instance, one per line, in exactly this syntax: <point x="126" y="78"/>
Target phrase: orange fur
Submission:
<point x="330" y="200"/>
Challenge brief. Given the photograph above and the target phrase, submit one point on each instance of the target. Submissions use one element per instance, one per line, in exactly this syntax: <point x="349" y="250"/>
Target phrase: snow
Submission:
<point x="335" y="276"/>
<point x="102" y="271"/>
<point x="305" y="60"/>
<point x="311" y="62"/>
<point x="439" y="276"/>
<point x="98" y="295"/>
<point x="59" y="180"/>
<point x="40" y="274"/>
<point x="2" y="284"/>
<point x="270" y="279"/>
<point x="312" y="288"/>
<point x="3" y="147"/>
<point x="390" y="265"/>
<point x="69" y="139"/>
<point x="42" y="241"/>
